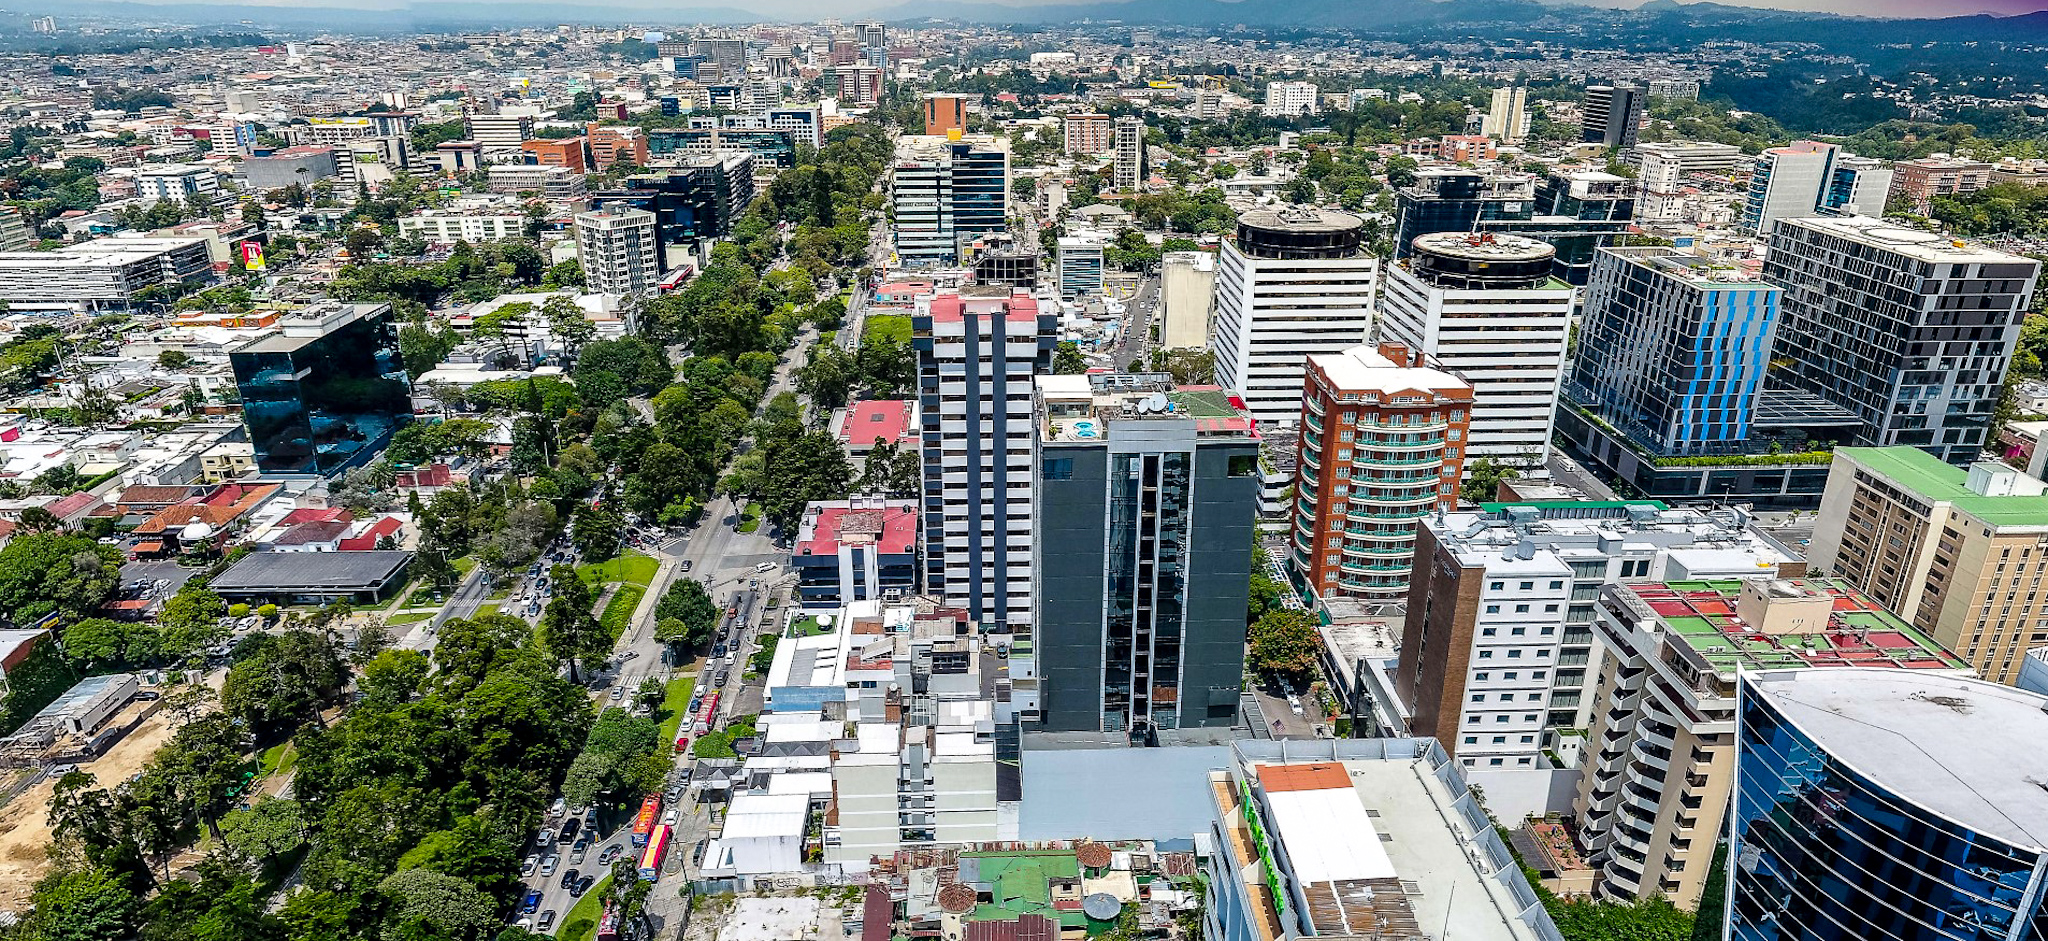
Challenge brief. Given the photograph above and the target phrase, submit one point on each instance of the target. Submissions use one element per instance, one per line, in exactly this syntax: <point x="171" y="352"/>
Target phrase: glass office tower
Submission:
<point x="326" y="391"/>
<point x="1887" y="804"/>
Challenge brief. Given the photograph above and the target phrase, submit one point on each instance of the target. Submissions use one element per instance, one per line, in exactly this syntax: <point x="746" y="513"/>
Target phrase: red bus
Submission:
<point x="608" y="924"/>
<point x="708" y="714"/>
<point x="650" y="859"/>
<point x="650" y="811"/>
<point x="676" y="278"/>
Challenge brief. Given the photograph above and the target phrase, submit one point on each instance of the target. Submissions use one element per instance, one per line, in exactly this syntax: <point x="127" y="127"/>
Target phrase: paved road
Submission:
<point x="1571" y="473"/>
<point x="1134" y="337"/>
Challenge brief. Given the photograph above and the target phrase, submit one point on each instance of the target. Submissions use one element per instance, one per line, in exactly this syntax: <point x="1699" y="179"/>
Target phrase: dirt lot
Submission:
<point x="24" y="823"/>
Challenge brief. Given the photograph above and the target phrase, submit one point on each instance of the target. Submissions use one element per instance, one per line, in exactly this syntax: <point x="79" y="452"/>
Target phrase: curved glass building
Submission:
<point x="1876" y="804"/>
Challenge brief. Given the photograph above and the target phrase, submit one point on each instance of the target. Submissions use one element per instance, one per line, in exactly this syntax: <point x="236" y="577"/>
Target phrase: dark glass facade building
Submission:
<point x="694" y="203"/>
<point x="1146" y="497"/>
<point x="324" y="393"/>
<point x="1576" y="213"/>
<point x="1887" y="805"/>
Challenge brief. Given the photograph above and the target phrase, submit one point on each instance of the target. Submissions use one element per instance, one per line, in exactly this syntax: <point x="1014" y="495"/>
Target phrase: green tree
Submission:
<point x="1066" y="359"/>
<point x="45" y="572"/>
<point x="173" y="359"/>
<point x="85" y="905"/>
<point x="1285" y="642"/>
<point x="283" y="680"/>
<point x="268" y="828"/>
<point x="1483" y="478"/>
<point x="686" y="603"/>
<point x="596" y="531"/>
<point x="568" y="628"/>
<point x="449" y="906"/>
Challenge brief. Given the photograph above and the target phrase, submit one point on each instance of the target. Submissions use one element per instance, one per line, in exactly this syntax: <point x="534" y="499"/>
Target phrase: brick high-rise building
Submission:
<point x="561" y="152"/>
<point x="944" y="113"/>
<point x="1382" y="445"/>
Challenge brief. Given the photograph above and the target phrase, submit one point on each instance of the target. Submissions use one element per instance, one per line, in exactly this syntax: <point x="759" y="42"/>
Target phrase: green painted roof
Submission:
<point x="1020" y="883"/>
<point x="1933" y="479"/>
<point x="1575" y="504"/>
<point x="1701" y="614"/>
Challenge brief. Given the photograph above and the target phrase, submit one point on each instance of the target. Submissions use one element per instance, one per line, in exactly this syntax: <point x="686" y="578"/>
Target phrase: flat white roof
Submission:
<point x="1362" y="368"/>
<point x="1965" y="749"/>
<point x="1329" y="835"/>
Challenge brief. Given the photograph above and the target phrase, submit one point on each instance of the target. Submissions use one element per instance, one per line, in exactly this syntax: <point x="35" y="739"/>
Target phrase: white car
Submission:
<point x="546" y="836"/>
<point x="527" y="867"/>
<point x="669" y="819"/>
<point x="560" y="807"/>
<point x="547" y="866"/>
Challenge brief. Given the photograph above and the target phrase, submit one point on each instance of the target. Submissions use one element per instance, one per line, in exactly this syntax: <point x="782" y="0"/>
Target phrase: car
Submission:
<point x="569" y="878"/>
<point x="674" y="794"/>
<point x="578" y="852"/>
<point x="569" y="828"/>
<point x="531" y="903"/>
<point x="546" y="921"/>
<point x="618" y="693"/>
<point x="582" y="885"/>
<point x="718" y="650"/>
<point x="610" y="853"/>
<point x="682" y="745"/>
<point x="686" y="565"/>
<point x="544" y="837"/>
<point x="697" y="855"/>
<point x="523" y="924"/>
<point x="765" y="567"/>
<point x="669" y="819"/>
<point x="723" y="675"/>
<point x="548" y="865"/>
<point x="527" y="866"/>
<point x="559" y="807"/>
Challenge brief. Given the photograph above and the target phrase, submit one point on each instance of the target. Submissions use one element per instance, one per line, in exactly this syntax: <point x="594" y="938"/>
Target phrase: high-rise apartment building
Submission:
<point x="944" y="114"/>
<point x="1381" y="446"/>
<point x="1807" y="178"/>
<point x="1487" y="308"/>
<point x="1613" y="115"/>
<point x="977" y="354"/>
<point x="1507" y="117"/>
<point x="1291" y="99"/>
<point x="1907" y="329"/>
<point x="729" y="54"/>
<point x="1087" y="133"/>
<point x="1954" y="550"/>
<point x="1291" y="283"/>
<point x="858" y="85"/>
<point x="1358" y="839"/>
<point x="1654" y="789"/>
<point x="177" y="182"/>
<point x="1887" y="804"/>
<point x="1673" y="349"/>
<point x="1500" y="614"/>
<point x="14" y="232"/>
<point x="946" y="192"/>
<point x="617" y="247"/>
<point x="871" y="35"/>
<point x="1662" y="170"/>
<point x="1922" y="181"/>
<point x="1080" y="266"/>
<point x="1127" y="172"/>
<point x="325" y="392"/>
<point x="1145" y="500"/>
<point x="615" y="144"/>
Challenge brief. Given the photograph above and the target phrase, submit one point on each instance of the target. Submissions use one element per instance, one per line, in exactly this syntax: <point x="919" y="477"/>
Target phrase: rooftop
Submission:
<point x="953" y="308"/>
<point x="1077" y="408"/>
<point x="1364" y="369"/>
<point x="889" y="525"/>
<point x="314" y="571"/>
<point x="1692" y="269"/>
<point x="1859" y="632"/>
<point x="877" y="421"/>
<point x="1937" y="481"/>
<point x="1965" y="749"/>
<point x="1917" y="244"/>
<point x="1300" y="219"/>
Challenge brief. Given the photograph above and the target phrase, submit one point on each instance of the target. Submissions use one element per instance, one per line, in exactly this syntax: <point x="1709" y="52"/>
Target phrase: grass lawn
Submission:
<point x="618" y="612"/>
<point x="673" y="705"/>
<point x="279" y="758"/>
<point x="581" y="922"/>
<point x="632" y="567"/>
<point x="484" y="609"/>
<point x="894" y="327"/>
<point x="413" y="618"/>
<point x="463" y="565"/>
<point x="808" y="626"/>
<point x="750" y="518"/>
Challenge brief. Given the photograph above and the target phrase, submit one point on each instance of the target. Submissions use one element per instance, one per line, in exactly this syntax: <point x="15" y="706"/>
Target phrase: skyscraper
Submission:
<point x="325" y="391"/>
<point x="1291" y="99"/>
<point x="1087" y="133"/>
<point x="945" y="192"/>
<point x="1654" y="787"/>
<point x="1382" y="445"/>
<point x="1808" y="178"/>
<point x="1144" y="508"/>
<point x="1575" y="212"/>
<point x="1907" y="329"/>
<point x="617" y="248"/>
<point x="1292" y="282"/>
<point x="1613" y="115"/>
<point x="1128" y="171"/>
<point x="1508" y="116"/>
<point x="977" y="353"/>
<point x="1673" y="349"/>
<point x="1887" y="804"/>
<point x="696" y="200"/>
<point x="1487" y="308"/>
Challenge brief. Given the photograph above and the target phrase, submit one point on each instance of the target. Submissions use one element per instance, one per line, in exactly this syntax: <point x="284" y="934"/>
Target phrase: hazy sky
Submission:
<point x="817" y="9"/>
<point x="1908" y="8"/>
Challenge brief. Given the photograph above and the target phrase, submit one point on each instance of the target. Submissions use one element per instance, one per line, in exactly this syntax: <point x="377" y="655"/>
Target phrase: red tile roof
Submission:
<point x="367" y="539"/>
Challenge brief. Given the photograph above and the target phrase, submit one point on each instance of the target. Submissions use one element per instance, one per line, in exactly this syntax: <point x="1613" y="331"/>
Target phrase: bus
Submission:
<point x="643" y="824"/>
<point x="709" y="714"/>
<point x="650" y="860"/>
<point x="608" y="924"/>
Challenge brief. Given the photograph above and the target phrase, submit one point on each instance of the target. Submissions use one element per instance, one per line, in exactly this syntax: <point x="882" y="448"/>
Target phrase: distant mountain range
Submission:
<point x="1379" y="16"/>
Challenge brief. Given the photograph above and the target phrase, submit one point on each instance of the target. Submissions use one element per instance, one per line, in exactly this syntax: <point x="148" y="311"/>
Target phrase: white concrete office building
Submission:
<point x="1291" y="283"/>
<point x="446" y="228"/>
<point x="616" y="245"/>
<point x="1488" y="308"/>
<point x="1291" y="99"/>
<point x="1663" y="166"/>
<point x="1187" y="295"/>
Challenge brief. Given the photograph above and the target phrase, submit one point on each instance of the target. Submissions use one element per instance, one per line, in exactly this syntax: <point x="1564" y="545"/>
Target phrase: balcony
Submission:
<point x="1382" y="460"/>
<point x="1425" y="428"/>
<point x="1312" y="419"/>
<point x="1375" y="569"/>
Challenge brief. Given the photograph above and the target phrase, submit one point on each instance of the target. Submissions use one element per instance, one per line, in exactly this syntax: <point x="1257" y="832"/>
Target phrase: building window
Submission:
<point x="1056" y="468"/>
<point x="1243" y="465"/>
<point x="1471" y="739"/>
<point x="1496" y="762"/>
<point x="1528" y="586"/>
<point x="1496" y="586"/>
<point x="1556" y="584"/>
<point x="1478" y="697"/>
<point x="1493" y="609"/>
<point x="1488" y="631"/>
<point x="1521" y="609"/>
<point x="1481" y="675"/>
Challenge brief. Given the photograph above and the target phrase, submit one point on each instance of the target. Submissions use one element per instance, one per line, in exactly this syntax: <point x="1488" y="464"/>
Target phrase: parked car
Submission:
<point x="668" y="819"/>
<point x="559" y="807"/>
<point x="765" y="567"/>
